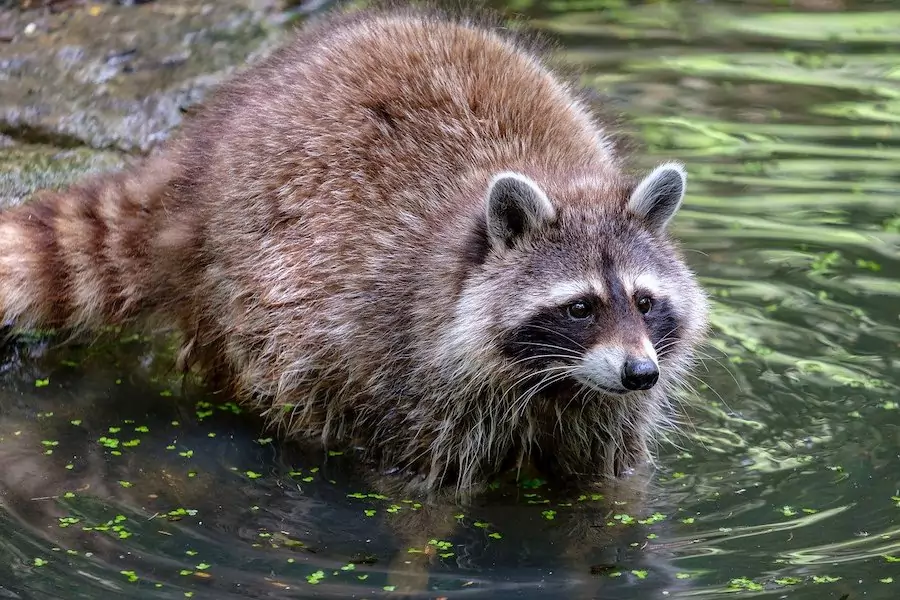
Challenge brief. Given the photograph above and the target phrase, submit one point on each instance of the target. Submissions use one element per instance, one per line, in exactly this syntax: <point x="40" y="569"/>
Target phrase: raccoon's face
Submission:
<point x="591" y="293"/>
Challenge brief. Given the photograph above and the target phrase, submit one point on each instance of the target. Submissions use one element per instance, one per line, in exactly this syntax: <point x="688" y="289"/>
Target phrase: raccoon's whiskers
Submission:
<point x="707" y="384"/>
<point x="570" y="351"/>
<point x="661" y="348"/>
<point x="701" y="356"/>
<point x="539" y="357"/>
<point x="555" y="373"/>
<point x="582" y="390"/>
<point x="567" y="369"/>
<point x="682" y="415"/>
<point x="560" y="334"/>
<point x="525" y="398"/>
<point x="675" y="433"/>
<point x="667" y="341"/>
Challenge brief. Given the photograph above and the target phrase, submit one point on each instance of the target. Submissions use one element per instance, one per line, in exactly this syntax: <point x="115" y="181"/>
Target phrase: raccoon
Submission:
<point x="401" y="230"/>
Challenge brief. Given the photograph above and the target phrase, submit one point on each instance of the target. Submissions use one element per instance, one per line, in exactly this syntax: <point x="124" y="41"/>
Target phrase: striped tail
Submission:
<point x="89" y="255"/>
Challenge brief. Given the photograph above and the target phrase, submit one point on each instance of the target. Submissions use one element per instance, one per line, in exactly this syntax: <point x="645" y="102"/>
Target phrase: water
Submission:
<point x="784" y="483"/>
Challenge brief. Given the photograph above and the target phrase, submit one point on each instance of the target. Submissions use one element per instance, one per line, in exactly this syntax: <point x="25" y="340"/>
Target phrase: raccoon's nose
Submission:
<point x="639" y="374"/>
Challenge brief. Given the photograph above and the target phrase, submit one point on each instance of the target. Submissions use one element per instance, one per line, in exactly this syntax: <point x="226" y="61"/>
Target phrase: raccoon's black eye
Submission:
<point x="579" y="310"/>
<point x="644" y="304"/>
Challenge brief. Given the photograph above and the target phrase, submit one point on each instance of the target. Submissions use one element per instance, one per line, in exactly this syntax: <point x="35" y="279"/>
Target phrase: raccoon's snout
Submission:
<point x="639" y="373"/>
<point x="614" y="369"/>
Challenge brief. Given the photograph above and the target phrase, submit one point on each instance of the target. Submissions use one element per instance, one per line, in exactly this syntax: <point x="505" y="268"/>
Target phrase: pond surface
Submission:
<point x="785" y="482"/>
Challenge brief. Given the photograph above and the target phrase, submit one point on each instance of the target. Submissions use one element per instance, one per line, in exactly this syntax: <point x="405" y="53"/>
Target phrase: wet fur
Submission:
<point x="317" y="231"/>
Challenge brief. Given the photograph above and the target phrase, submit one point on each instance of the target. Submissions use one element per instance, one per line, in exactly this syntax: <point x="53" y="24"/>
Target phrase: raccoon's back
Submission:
<point x="338" y="179"/>
<point x="374" y="114"/>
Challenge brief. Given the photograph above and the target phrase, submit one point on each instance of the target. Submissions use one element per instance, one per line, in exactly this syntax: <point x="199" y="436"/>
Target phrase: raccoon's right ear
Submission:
<point x="659" y="195"/>
<point x="515" y="206"/>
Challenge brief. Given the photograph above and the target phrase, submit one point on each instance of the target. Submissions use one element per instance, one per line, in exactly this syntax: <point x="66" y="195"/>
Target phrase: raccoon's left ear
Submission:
<point x="658" y="196"/>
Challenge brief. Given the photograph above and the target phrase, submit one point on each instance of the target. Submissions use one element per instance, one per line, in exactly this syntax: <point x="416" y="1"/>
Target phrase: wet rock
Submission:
<point x="118" y="77"/>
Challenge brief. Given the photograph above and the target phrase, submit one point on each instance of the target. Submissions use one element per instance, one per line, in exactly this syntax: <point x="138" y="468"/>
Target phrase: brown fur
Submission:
<point x="313" y="232"/>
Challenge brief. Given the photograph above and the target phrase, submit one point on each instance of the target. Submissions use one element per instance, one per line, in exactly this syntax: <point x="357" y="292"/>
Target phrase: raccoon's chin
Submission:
<point x="617" y="391"/>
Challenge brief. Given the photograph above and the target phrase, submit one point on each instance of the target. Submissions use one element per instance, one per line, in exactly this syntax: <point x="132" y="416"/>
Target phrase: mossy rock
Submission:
<point x="27" y="168"/>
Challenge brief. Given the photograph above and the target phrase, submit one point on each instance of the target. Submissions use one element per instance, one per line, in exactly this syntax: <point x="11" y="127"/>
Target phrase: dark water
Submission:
<point x="116" y="482"/>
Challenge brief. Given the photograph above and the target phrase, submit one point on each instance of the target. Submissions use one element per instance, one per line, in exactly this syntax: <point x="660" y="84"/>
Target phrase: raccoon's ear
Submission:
<point x="515" y="206"/>
<point x="658" y="197"/>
